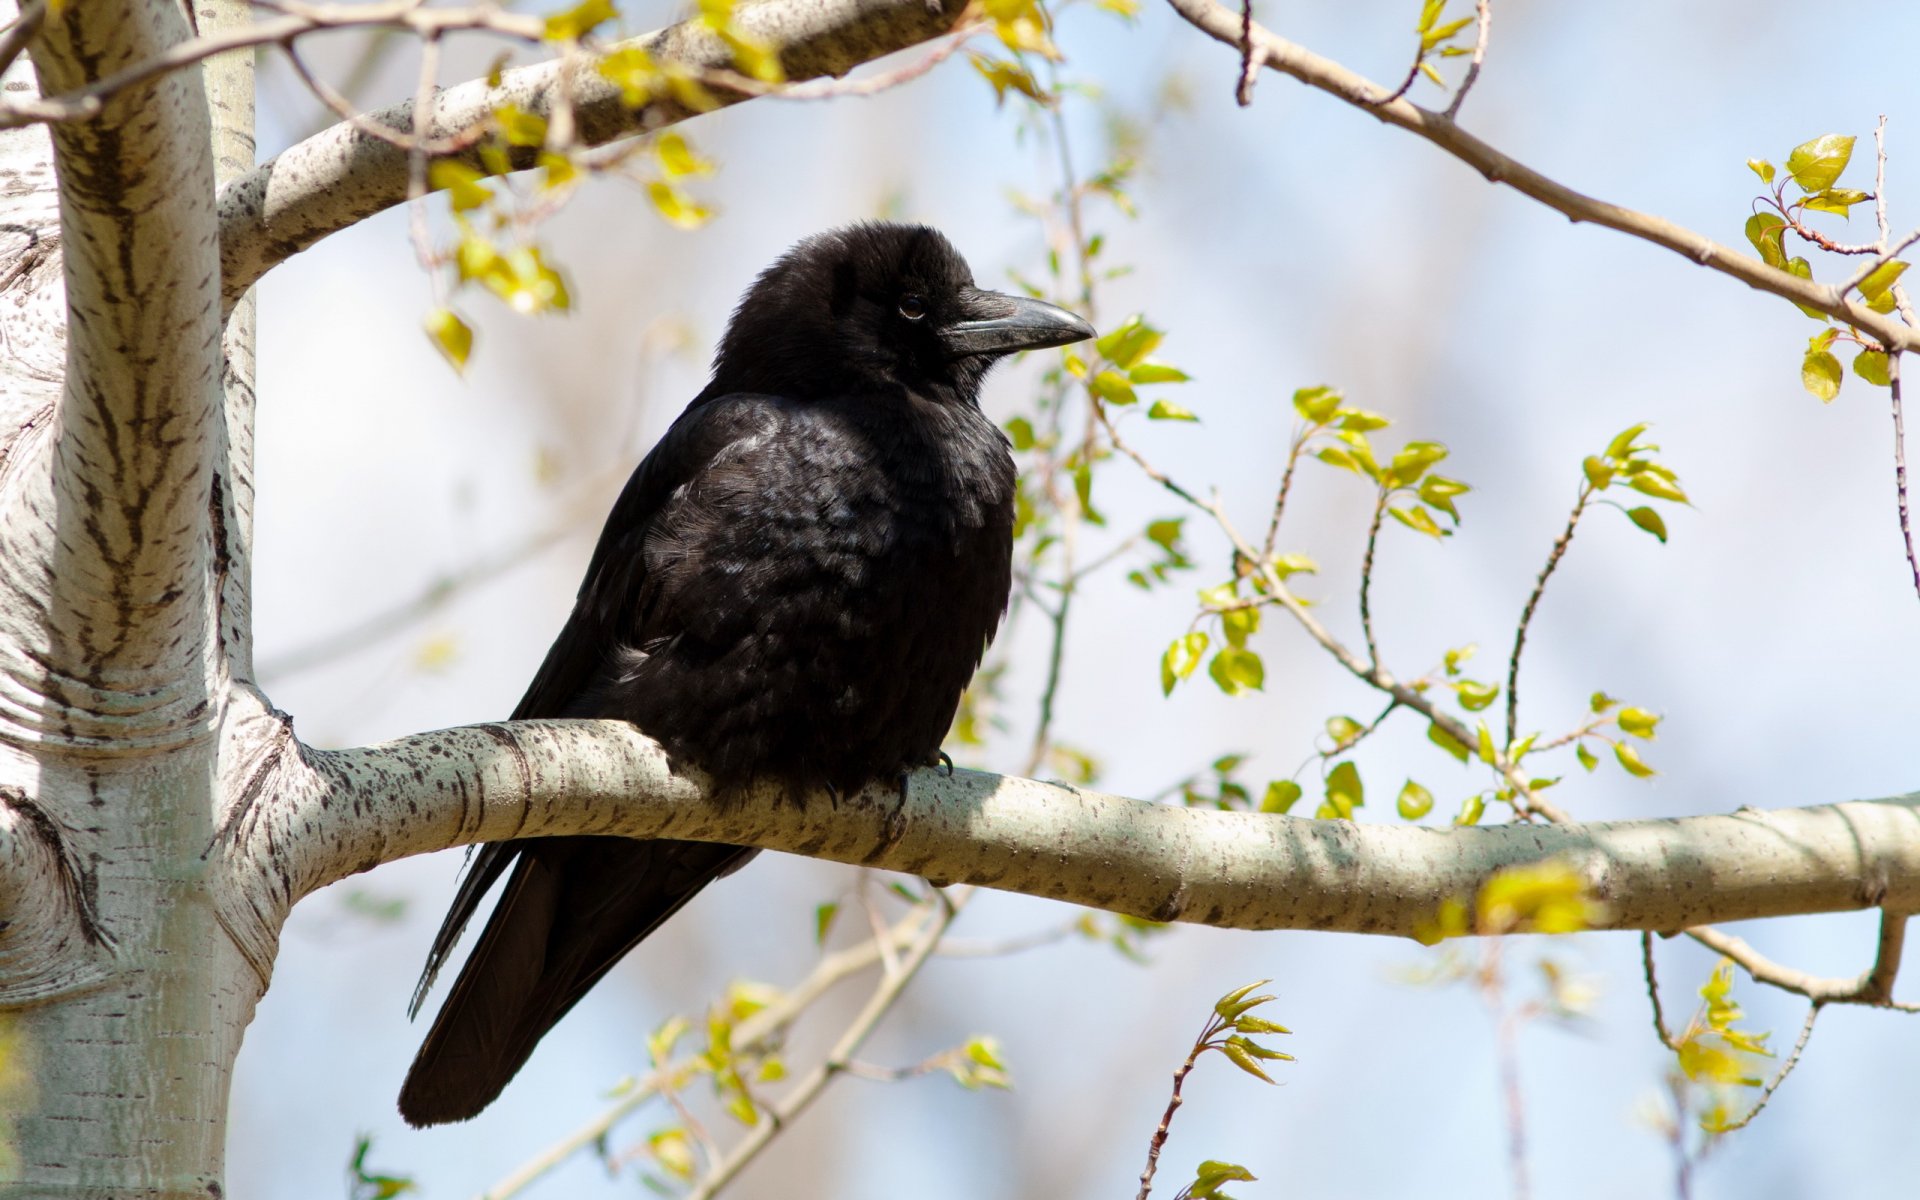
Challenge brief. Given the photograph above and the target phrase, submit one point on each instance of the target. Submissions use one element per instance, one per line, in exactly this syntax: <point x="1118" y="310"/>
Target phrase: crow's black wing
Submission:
<point x="574" y="906"/>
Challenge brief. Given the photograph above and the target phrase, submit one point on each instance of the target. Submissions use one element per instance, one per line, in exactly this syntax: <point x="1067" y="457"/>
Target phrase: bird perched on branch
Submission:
<point x="795" y="586"/>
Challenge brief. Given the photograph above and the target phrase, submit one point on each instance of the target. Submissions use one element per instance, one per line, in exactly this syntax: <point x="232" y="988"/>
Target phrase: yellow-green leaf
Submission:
<point x="677" y="158"/>
<point x="1280" y="796"/>
<point x="1162" y="410"/>
<point x="1344" y="789"/>
<point x="1820" y="374"/>
<point x="1316" y="404"/>
<point x="1414" y="801"/>
<point x="1816" y="164"/>
<point x="1877" y="288"/>
<point x="1113" y="387"/>
<point x="677" y="206"/>
<point x="462" y="183"/>
<point x="1638" y="722"/>
<point x="1130" y="342"/>
<point x="1762" y="168"/>
<point x="1150" y="371"/>
<point x="1649" y="520"/>
<point x="574" y="23"/>
<point x="1237" y="671"/>
<point x="1182" y="657"/>
<point x="451" y="336"/>
<point x="1872" y="366"/>
<point x="1629" y="758"/>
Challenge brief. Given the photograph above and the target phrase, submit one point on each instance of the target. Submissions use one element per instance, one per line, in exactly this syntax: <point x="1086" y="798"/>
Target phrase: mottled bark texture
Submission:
<point x="158" y="819"/>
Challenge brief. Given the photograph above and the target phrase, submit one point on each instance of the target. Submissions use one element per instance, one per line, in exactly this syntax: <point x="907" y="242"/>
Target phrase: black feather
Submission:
<point x="795" y="585"/>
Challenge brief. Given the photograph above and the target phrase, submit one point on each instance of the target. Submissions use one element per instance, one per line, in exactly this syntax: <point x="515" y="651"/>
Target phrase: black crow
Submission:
<point x="795" y="586"/>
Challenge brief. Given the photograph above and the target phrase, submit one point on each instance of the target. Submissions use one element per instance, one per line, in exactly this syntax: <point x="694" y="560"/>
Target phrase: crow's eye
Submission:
<point x="913" y="306"/>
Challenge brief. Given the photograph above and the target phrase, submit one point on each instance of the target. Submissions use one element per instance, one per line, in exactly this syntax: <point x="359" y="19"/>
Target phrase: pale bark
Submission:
<point x="322" y="815"/>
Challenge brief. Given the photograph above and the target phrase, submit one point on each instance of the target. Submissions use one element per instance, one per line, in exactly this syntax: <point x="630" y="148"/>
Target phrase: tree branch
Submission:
<point x="344" y="174"/>
<point x="1289" y="59"/>
<point x="323" y="815"/>
<point x="109" y="551"/>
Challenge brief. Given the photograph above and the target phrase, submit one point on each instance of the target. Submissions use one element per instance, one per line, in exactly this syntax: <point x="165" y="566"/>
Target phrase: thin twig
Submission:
<point x="757" y="1031"/>
<point x="1366" y="583"/>
<point x="1780" y="1076"/>
<point x="1653" y="990"/>
<point x="809" y="1087"/>
<point x="1900" y="466"/>
<point x="1280" y="497"/>
<point x="1159" y="1138"/>
<point x="1862" y="989"/>
<point x="1533" y="602"/>
<point x="84" y="103"/>
<point x="1249" y="69"/>
<point x="20" y="33"/>
<point x="1223" y="25"/>
<point x="1483" y="14"/>
<point x="1506" y="1036"/>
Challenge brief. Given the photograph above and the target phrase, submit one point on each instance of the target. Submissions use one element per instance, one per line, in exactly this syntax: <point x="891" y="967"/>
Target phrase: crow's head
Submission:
<point x="878" y="306"/>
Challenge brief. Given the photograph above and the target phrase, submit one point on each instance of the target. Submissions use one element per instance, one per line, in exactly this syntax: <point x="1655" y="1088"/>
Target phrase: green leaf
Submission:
<point x="1816" y="164"/>
<point x="1020" y="433"/>
<point x="1799" y="268"/>
<point x="1648" y="520"/>
<point x="1820" y="374"/>
<point x="1113" y="387"/>
<point x="1585" y="756"/>
<point x="1162" y="410"/>
<point x="1629" y="758"/>
<point x="1767" y="232"/>
<point x="1280" y="796"/>
<point x="1430" y="12"/>
<point x="1360" y="420"/>
<point x="1238" y="624"/>
<point x="1418" y="519"/>
<point x="1439" y="491"/>
<point x="1658" y="486"/>
<point x="1237" y="1053"/>
<point x="677" y="206"/>
<point x="1413" y="459"/>
<point x="1475" y="696"/>
<point x="1210" y="1175"/>
<point x="1165" y="533"/>
<point x="1599" y="474"/>
<point x="1181" y="658"/>
<point x="1877" y="288"/>
<point x="677" y="158"/>
<point x="1237" y="671"/>
<point x="1623" y="442"/>
<point x="1762" y="168"/>
<point x="575" y="23"/>
<point x="1872" y="366"/>
<point x="1600" y="702"/>
<point x="1156" y="372"/>
<point x="1316" y="404"/>
<point x="823" y="916"/>
<point x="1344" y="731"/>
<point x="1132" y="341"/>
<point x="1230" y="1006"/>
<point x="1446" y="741"/>
<point x="520" y="127"/>
<point x="1638" y="722"/>
<point x="1471" y="810"/>
<point x="1335" y="456"/>
<point x="461" y="183"/>
<point x="1484" y="737"/>
<point x="1344" y="790"/>
<point x="1835" y="200"/>
<point x="1414" y="801"/>
<point x="1440" y="33"/>
<point x="451" y="336"/>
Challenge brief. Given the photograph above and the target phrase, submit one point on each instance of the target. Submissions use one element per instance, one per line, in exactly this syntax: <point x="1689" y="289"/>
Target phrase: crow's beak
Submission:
<point x="1001" y="324"/>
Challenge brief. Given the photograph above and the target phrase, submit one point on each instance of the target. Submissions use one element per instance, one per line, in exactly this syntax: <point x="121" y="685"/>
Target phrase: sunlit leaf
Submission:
<point x="1649" y="520"/>
<point x="1816" y="164"/>
<point x="1414" y="801"/>
<point x="451" y="336"/>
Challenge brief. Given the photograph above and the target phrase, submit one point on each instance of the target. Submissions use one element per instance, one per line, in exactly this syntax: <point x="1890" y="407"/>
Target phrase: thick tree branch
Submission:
<point x="105" y="594"/>
<point x="323" y="815"/>
<point x="1330" y="77"/>
<point x="343" y="175"/>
